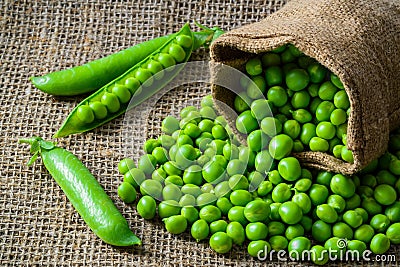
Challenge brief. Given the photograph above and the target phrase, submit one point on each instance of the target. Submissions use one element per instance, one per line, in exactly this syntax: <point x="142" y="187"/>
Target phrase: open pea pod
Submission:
<point x="150" y="75"/>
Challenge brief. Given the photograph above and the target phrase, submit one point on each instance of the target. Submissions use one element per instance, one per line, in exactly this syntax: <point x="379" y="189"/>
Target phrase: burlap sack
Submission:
<point x="357" y="40"/>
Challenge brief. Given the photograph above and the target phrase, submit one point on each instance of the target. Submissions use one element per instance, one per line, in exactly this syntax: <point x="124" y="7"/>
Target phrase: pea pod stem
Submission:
<point x="84" y="192"/>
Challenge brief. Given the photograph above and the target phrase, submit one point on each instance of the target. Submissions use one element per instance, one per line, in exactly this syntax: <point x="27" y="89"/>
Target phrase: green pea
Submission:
<point x="177" y="52"/>
<point x="327" y="91"/>
<point x="364" y="233"/>
<point x="347" y="155"/>
<point x="270" y="59"/>
<point x="184" y="40"/>
<point x="206" y="199"/>
<point x="218" y="226"/>
<point x="342" y="185"/>
<point x="302" y="185"/>
<point x="289" y="168"/>
<point x="385" y="177"/>
<point x="206" y="125"/>
<point x="338" y="117"/>
<point x="256" y="179"/>
<point x="336" y="245"/>
<point x="385" y="194"/>
<point x="236" y="214"/>
<point x="175" y="224"/>
<point x="150" y="144"/>
<point x="235" y="167"/>
<point x="333" y="143"/>
<point x="230" y="151"/>
<point x="246" y="123"/>
<point x="122" y="93"/>
<point x="292" y="128"/>
<point x="341" y="100"/>
<point x="168" y="208"/>
<point x="325" y="130"/>
<point x="241" y="102"/>
<point x="256" y="88"/>
<point x="287" y="57"/>
<point x="342" y="230"/>
<point x="300" y="99"/>
<point x="208" y="113"/>
<point x="224" y="205"/>
<point x="240" y="197"/>
<point x="147" y="163"/>
<point x="264" y="188"/>
<point x="281" y="193"/>
<point x="338" y="203"/>
<point x="356" y="245"/>
<point x="278" y="242"/>
<point x="192" y="175"/>
<point x="85" y="114"/>
<point x="99" y="110"/>
<point x="327" y="213"/>
<point x="308" y="131"/>
<point x="302" y="116"/>
<point x="318" y="194"/>
<point x="319" y="255"/>
<point x="321" y="231"/>
<point x="144" y="76"/>
<point x="290" y="212"/>
<point x="274" y="177"/>
<point x="221" y="242"/>
<point x="166" y="141"/>
<point x="146" y="207"/>
<point x="273" y="75"/>
<point x="200" y="230"/>
<point x="257" y="211"/>
<point x="317" y="72"/>
<point x="297" y="245"/>
<point x="293" y="231"/>
<point x="171" y="192"/>
<point x="260" y="109"/>
<point x="380" y="243"/>
<point x="380" y="223"/>
<point x="210" y="213"/>
<point x="127" y="192"/>
<point x="256" y="231"/>
<point x="353" y="202"/>
<point x="125" y="165"/>
<point x="271" y="126"/>
<point x="393" y="212"/>
<point x="280" y="146"/>
<point x="212" y="171"/>
<point x="187" y="200"/>
<point x="238" y="181"/>
<point x="263" y="161"/>
<point x="171" y="168"/>
<point x="258" y="248"/>
<point x="207" y="188"/>
<point x="303" y="201"/>
<point x="191" y="189"/>
<point x="160" y="154"/>
<point x="132" y="84"/>
<point x="276" y="228"/>
<point x="277" y="95"/>
<point x="393" y="233"/>
<point x="135" y="177"/>
<point x="363" y="213"/>
<point x="297" y="79"/>
<point x="336" y="81"/>
<point x="155" y="68"/>
<point x="324" y="110"/>
<point x="152" y="188"/>
<point x="257" y="140"/>
<point x="254" y="66"/>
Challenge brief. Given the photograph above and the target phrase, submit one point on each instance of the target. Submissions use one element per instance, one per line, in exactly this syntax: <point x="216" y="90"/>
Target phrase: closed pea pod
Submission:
<point x="84" y="192"/>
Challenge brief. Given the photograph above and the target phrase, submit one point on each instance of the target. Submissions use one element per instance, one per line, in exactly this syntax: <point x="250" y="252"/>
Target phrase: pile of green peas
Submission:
<point x="308" y="102"/>
<point x="196" y="177"/>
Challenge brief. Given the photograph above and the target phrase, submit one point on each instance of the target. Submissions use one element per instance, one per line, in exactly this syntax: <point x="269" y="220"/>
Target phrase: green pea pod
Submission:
<point x="113" y="99"/>
<point x="95" y="74"/>
<point x="84" y="192"/>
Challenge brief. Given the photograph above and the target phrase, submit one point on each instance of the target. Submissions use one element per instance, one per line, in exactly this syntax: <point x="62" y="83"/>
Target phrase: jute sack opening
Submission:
<point x="359" y="41"/>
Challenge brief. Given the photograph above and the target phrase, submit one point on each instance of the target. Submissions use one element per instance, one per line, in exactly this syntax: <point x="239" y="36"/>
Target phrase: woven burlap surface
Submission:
<point x="38" y="225"/>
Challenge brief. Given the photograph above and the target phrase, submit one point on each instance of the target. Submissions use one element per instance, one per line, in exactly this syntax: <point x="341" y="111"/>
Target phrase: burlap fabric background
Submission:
<point x="38" y="226"/>
<point x="357" y="40"/>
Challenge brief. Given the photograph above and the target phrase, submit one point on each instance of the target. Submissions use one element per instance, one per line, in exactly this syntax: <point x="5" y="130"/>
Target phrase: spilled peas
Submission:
<point x="259" y="197"/>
